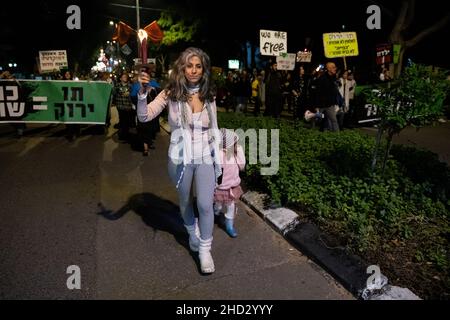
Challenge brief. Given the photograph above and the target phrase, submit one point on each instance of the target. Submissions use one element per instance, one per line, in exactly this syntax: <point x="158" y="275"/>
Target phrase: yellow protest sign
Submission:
<point x="340" y="44"/>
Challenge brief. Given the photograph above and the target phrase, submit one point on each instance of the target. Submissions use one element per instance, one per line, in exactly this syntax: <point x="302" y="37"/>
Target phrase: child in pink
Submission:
<point x="229" y="189"/>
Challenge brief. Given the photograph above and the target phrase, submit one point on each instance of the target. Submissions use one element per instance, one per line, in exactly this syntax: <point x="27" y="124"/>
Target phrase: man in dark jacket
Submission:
<point x="274" y="97"/>
<point x="327" y="96"/>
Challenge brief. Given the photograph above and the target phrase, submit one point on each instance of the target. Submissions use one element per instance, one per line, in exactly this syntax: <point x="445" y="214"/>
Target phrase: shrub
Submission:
<point x="329" y="177"/>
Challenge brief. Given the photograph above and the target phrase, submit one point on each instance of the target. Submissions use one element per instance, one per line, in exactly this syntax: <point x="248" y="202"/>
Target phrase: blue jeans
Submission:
<point x="204" y="177"/>
<point x="330" y="117"/>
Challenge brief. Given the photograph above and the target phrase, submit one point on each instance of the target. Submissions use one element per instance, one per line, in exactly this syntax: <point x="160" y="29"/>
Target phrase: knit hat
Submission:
<point x="229" y="138"/>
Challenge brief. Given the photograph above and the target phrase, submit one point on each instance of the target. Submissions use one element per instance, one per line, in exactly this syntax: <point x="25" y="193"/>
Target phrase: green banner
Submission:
<point x="51" y="101"/>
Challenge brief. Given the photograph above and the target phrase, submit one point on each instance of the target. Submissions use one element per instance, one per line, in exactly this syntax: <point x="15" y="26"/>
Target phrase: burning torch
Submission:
<point x="142" y="34"/>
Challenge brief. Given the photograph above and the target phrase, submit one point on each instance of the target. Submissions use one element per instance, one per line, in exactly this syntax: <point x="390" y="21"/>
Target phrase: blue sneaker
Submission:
<point x="229" y="228"/>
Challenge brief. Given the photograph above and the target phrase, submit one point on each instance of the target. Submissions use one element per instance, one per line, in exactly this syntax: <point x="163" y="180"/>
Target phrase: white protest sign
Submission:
<point x="286" y="61"/>
<point x="52" y="60"/>
<point x="138" y="61"/>
<point x="304" y="56"/>
<point x="272" y="43"/>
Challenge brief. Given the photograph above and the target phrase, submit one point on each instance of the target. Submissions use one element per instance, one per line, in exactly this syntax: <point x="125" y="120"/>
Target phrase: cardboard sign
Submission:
<point x="340" y="44"/>
<point x="384" y="54"/>
<point x="54" y="60"/>
<point x="272" y="43"/>
<point x="304" y="56"/>
<point x="286" y="61"/>
<point x="138" y="61"/>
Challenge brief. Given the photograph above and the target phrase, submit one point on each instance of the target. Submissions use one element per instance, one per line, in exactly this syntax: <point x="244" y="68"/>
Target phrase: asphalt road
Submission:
<point x="100" y="205"/>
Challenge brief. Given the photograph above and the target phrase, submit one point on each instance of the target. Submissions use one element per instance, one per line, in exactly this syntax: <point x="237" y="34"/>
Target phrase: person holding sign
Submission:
<point x="300" y="93"/>
<point x="73" y="130"/>
<point x="194" y="143"/>
<point x="274" y="95"/>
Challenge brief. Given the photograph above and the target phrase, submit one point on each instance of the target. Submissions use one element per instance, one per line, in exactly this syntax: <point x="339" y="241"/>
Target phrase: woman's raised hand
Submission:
<point x="144" y="79"/>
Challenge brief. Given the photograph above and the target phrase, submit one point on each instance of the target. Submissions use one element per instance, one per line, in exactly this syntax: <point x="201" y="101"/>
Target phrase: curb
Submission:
<point x="348" y="269"/>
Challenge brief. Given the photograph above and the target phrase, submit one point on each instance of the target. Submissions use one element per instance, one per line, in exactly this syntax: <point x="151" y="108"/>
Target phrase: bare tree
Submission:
<point x="403" y="22"/>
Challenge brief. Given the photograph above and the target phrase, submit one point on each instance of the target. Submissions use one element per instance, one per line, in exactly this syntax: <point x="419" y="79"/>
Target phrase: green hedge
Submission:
<point x="328" y="177"/>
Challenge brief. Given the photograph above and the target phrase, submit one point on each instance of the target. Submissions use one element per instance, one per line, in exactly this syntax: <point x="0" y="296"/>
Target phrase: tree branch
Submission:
<point x="410" y="16"/>
<point x="398" y="27"/>
<point x="425" y="33"/>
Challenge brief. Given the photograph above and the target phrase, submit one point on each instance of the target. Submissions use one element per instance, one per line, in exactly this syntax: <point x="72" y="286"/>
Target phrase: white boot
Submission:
<point x="194" y="236"/>
<point x="204" y="254"/>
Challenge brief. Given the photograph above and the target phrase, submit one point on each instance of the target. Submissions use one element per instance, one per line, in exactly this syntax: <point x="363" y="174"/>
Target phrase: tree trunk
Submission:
<point x="162" y="61"/>
<point x="399" y="65"/>
<point x="377" y="147"/>
<point x="404" y="20"/>
<point x="388" y="150"/>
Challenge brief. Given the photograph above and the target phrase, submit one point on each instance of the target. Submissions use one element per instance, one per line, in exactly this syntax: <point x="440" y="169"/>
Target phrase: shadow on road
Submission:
<point x="157" y="213"/>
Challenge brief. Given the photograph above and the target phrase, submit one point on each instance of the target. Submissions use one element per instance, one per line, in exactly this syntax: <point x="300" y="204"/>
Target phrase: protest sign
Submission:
<point x="38" y="101"/>
<point x="340" y="44"/>
<point x="54" y="60"/>
<point x="272" y="43"/>
<point x="286" y="61"/>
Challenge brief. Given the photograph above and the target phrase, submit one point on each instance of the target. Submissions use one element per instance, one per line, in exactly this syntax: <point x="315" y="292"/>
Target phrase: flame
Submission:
<point x="142" y="34"/>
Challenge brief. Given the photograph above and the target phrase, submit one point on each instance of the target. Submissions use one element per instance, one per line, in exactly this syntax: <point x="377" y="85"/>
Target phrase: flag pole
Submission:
<point x="138" y="26"/>
<point x="138" y="21"/>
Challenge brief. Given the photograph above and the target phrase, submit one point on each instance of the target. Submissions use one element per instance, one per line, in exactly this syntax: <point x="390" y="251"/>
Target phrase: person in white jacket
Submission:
<point x="346" y="89"/>
<point x="194" y="143"/>
<point x="345" y="86"/>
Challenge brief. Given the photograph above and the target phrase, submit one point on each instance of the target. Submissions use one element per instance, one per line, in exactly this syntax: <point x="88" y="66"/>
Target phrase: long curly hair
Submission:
<point x="177" y="87"/>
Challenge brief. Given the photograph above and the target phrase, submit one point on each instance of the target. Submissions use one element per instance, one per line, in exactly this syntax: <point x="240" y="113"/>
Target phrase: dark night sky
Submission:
<point x="226" y="24"/>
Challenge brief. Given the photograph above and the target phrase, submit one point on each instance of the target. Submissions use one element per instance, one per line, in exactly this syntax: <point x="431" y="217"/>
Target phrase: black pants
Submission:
<point x="257" y="102"/>
<point x="299" y="108"/>
<point x="127" y="120"/>
<point x="73" y="130"/>
<point x="274" y="103"/>
<point x="147" y="131"/>
<point x="277" y="105"/>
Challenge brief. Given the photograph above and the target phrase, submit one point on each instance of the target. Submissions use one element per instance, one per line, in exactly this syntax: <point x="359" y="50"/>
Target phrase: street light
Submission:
<point x="111" y="23"/>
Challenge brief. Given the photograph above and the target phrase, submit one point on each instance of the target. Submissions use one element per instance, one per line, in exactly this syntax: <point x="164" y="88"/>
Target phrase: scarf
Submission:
<point x="213" y="139"/>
